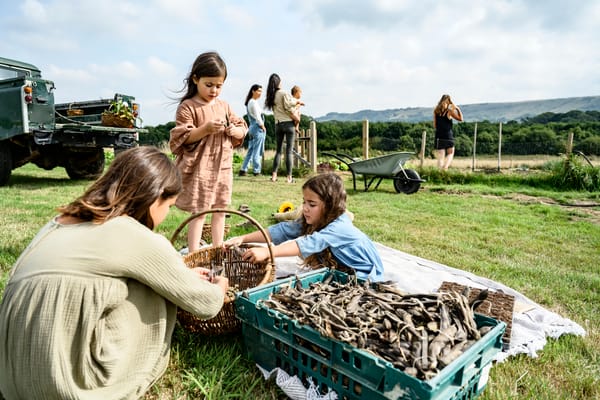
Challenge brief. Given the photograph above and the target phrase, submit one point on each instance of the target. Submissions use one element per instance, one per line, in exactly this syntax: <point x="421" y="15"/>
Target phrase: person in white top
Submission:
<point x="256" y="132"/>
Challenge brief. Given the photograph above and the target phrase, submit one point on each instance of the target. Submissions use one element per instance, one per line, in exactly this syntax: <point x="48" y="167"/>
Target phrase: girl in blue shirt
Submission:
<point x="323" y="236"/>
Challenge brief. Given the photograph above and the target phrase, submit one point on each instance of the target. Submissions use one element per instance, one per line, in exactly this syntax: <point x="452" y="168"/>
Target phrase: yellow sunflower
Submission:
<point x="285" y="207"/>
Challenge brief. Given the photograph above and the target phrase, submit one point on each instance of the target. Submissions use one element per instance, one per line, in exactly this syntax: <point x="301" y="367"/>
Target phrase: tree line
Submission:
<point x="546" y="133"/>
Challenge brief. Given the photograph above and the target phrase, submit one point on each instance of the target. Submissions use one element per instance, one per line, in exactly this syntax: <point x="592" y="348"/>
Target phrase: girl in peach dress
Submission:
<point x="206" y="132"/>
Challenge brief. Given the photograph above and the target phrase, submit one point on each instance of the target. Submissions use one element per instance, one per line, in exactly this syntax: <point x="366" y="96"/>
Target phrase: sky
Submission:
<point x="346" y="55"/>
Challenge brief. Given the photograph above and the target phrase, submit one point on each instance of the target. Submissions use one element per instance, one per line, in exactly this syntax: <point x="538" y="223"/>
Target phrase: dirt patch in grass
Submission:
<point x="590" y="208"/>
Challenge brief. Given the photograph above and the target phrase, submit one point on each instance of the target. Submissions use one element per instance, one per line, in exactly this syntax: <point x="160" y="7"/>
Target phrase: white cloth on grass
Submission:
<point x="532" y="324"/>
<point x="292" y="386"/>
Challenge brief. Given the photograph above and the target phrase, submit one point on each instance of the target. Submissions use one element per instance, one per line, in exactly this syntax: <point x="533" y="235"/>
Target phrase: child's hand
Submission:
<point x="215" y="126"/>
<point x="256" y="254"/>
<point x="238" y="122"/>
<point x="236" y="131"/>
<point x="234" y="241"/>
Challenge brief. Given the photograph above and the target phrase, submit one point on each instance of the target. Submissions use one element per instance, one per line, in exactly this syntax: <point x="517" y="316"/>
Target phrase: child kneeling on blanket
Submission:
<point x="323" y="236"/>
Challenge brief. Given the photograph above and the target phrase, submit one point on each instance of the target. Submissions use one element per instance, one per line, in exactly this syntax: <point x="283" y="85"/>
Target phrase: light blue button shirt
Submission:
<point x="349" y="245"/>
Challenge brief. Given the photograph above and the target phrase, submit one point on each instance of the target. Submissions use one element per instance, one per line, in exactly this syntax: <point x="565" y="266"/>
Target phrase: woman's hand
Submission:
<point x="203" y="273"/>
<point x="222" y="282"/>
<point x="456" y="113"/>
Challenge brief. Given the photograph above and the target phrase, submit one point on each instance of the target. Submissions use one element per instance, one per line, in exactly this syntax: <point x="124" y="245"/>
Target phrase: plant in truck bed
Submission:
<point x="119" y="113"/>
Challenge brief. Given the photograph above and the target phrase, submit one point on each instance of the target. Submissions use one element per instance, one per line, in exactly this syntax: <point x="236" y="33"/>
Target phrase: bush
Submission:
<point x="572" y="174"/>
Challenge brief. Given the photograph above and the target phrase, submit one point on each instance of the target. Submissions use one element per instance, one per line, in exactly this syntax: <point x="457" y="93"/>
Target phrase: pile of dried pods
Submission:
<point x="418" y="333"/>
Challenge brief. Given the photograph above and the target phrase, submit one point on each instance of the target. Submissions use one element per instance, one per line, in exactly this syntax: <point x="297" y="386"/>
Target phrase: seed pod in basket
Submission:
<point x="238" y="251"/>
<point x="216" y="269"/>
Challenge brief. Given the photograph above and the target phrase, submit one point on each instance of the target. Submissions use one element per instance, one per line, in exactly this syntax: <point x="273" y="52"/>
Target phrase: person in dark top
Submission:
<point x="443" y="114"/>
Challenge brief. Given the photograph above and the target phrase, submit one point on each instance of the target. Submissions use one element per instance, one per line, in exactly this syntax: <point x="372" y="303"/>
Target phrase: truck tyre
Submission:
<point x="85" y="165"/>
<point x="5" y="163"/>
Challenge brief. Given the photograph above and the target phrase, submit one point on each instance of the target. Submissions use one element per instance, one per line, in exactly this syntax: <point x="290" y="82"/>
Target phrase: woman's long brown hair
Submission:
<point x="442" y="106"/>
<point x="134" y="181"/>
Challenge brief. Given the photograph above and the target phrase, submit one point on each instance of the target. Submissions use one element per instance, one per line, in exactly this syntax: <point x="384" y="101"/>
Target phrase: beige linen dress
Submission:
<point x="89" y="310"/>
<point x="206" y="165"/>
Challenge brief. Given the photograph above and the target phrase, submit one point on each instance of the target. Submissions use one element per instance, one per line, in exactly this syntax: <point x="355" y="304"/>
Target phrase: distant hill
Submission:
<point x="493" y="112"/>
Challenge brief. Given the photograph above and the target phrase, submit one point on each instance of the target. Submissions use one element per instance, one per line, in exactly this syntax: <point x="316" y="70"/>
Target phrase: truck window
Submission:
<point x="9" y="74"/>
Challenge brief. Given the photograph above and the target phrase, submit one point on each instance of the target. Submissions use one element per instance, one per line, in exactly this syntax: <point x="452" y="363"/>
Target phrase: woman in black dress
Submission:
<point x="443" y="114"/>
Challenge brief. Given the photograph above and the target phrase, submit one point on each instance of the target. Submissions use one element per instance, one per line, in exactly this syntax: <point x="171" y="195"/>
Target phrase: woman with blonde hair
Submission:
<point x="443" y="114"/>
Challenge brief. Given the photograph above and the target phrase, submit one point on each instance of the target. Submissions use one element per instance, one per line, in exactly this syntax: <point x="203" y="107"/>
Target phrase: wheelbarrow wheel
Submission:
<point x="407" y="186"/>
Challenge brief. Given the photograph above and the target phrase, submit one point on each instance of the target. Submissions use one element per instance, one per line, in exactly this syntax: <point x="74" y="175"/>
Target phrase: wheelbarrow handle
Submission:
<point x="226" y="211"/>
<point x="345" y="158"/>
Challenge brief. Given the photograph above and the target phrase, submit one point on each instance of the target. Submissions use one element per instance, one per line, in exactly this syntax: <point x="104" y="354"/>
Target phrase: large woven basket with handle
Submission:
<point x="241" y="274"/>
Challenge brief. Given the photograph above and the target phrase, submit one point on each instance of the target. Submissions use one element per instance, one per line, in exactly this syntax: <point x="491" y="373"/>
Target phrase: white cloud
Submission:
<point x="346" y="55"/>
<point x="35" y="11"/>
<point x="160" y="67"/>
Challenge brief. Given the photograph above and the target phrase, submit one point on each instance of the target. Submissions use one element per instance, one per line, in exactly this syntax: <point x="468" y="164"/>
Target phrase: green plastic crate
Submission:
<point x="273" y="340"/>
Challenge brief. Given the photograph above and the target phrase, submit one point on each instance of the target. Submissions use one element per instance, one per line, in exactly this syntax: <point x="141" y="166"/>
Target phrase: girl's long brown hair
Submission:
<point x="209" y="64"/>
<point x="330" y="189"/>
<point x="134" y="181"/>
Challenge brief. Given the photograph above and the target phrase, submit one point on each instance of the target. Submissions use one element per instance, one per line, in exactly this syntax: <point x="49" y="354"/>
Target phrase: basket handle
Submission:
<point x="226" y="211"/>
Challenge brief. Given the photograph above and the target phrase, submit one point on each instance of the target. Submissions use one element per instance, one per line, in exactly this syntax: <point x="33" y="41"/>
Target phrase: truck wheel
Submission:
<point x="85" y="165"/>
<point x="5" y="163"/>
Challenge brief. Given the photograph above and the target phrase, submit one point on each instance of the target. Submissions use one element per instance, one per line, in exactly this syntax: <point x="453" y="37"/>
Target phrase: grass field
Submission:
<point x="542" y="243"/>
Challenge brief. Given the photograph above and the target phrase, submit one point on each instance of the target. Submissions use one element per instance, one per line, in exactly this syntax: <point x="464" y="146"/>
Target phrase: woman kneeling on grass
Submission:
<point x="90" y="306"/>
<point x="324" y="234"/>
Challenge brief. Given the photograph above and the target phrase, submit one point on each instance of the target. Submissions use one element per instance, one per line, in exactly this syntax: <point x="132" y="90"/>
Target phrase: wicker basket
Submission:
<point x="498" y="305"/>
<point x="74" y="112"/>
<point x="241" y="274"/>
<point x="110" y="119"/>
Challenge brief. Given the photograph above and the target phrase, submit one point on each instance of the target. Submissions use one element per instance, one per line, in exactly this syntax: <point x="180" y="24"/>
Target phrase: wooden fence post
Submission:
<point x="297" y="149"/>
<point x="313" y="145"/>
<point x="474" y="147"/>
<point x="305" y="147"/>
<point x="423" y="141"/>
<point x="365" y="138"/>
<point x="570" y="144"/>
<point x="499" y="146"/>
